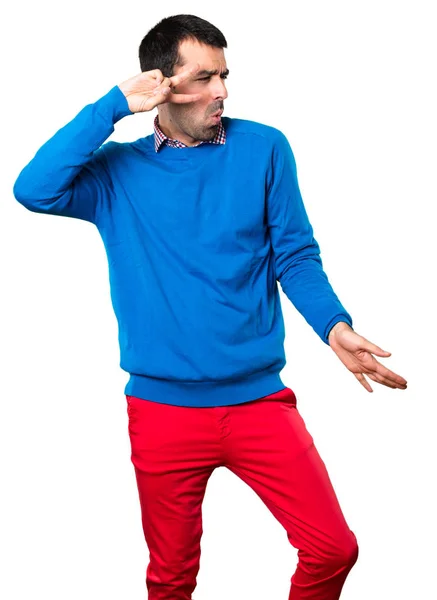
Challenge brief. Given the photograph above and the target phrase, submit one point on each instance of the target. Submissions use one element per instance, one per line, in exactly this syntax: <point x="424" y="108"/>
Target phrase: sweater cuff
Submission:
<point x="114" y="105"/>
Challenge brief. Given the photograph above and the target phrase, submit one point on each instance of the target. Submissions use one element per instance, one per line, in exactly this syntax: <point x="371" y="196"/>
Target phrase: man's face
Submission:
<point x="194" y="119"/>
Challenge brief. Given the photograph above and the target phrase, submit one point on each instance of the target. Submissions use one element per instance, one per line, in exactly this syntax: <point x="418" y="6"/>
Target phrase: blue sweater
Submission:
<point x="196" y="240"/>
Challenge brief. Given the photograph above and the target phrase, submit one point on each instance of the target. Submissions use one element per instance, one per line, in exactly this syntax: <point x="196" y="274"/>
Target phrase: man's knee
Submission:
<point x="346" y="554"/>
<point x="339" y="559"/>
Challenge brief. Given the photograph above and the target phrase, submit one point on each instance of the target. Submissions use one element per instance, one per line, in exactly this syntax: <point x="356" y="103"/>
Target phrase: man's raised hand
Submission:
<point x="150" y="88"/>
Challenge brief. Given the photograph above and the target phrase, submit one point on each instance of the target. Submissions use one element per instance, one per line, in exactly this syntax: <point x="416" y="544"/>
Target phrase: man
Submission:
<point x="200" y="220"/>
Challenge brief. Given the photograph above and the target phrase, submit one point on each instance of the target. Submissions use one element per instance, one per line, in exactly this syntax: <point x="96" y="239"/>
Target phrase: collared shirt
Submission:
<point x="161" y="138"/>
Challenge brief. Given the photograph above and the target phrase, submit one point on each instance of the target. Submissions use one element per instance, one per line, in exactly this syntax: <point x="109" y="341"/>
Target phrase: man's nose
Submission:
<point x="220" y="90"/>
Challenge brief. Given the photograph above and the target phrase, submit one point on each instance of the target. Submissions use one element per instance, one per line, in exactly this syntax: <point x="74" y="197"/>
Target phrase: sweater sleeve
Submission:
<point x="299" y="267"/>
<point x="68" y="176"/>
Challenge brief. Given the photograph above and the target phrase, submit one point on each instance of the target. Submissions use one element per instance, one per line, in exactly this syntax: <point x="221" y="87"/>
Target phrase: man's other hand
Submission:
<point x="356" y="353"/>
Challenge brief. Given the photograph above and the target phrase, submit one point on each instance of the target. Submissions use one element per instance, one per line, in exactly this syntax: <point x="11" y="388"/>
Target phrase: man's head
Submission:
<point x="171" y="44"/>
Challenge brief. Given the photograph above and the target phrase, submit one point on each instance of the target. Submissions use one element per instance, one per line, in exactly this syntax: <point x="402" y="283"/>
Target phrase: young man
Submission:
<point x="200" y="220"/>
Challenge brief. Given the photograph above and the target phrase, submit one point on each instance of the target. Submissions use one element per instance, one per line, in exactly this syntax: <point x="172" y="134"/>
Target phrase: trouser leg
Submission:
<point x="173" y="456"/>
<point x="269" y="448"/>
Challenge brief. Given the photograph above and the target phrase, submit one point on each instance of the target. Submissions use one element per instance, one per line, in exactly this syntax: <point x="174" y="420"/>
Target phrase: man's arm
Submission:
<point x="299" y="268"/>
<point x="300" y="272"/>
<point x="68" y="176"/>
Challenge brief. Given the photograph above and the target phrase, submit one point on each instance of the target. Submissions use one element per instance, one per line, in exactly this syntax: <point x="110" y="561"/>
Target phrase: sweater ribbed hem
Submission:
<point x="205" y="393"/>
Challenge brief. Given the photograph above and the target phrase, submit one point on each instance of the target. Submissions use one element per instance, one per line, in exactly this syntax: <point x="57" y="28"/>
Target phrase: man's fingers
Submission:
<point x="186" y="73"/>
<point x="159" y="96"/>
<point x="383" y="380"/>
<point x="376" y="378"/>
<point x="183" y="98"/>
<point x="374" y="349"/>
<point x="165" y="94"/>
<point x="363" y="381"/>
<point x="385" y="373"/>
<point x="382" y="375"/>
<point x="156" y="74"/>
<point x="161" y="90"/>
<point x="164" y="90"/>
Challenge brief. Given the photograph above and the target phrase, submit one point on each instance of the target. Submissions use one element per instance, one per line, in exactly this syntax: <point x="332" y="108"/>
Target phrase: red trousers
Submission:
<point x="175" y="449"/>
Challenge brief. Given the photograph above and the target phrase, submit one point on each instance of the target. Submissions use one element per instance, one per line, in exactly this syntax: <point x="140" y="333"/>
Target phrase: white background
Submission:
<point x="351" y="84"/>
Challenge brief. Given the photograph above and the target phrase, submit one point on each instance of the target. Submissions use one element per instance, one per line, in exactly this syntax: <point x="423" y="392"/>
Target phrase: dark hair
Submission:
<point x="159" y="49"/>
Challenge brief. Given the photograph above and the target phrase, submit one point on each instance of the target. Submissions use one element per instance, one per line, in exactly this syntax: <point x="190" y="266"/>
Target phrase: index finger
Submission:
<point x="188" y="71"/>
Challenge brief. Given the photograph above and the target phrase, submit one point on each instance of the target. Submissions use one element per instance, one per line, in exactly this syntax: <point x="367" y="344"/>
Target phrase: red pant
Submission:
<point x="175" y="449"/>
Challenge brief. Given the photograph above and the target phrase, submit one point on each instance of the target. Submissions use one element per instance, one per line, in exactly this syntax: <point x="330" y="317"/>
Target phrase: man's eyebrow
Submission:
<point x="215" y="72"/>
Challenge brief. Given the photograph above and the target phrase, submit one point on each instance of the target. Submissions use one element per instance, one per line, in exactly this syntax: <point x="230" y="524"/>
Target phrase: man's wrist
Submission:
<point x="339" y="326"/>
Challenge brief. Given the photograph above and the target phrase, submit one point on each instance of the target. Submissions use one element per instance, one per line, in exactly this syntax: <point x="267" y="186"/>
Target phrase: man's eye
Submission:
<point x="206" y="78"/>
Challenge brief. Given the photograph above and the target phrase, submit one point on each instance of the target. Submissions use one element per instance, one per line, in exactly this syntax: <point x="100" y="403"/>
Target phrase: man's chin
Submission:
<point x="209" y="133"/>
